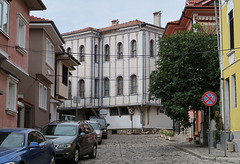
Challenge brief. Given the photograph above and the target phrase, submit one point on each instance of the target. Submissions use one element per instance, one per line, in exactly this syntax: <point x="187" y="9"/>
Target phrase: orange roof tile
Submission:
<point x="36" y="19"/>
<point x="81" y="30"/>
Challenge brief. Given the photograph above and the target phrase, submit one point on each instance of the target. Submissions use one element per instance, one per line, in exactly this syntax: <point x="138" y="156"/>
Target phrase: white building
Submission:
<point x="114" y="75"/>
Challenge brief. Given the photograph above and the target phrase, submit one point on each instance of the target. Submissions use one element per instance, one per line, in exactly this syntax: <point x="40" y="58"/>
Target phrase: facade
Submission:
<point x="14" y="34"/>
<point x="195" y="12"/>
<point x="114" y="75"/>
<point x="46" y="60"/>
<point x="230" y="57"/>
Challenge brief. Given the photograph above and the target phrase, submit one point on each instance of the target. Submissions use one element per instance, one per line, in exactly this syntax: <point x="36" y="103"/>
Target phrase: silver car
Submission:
<point x="97" y="128"/>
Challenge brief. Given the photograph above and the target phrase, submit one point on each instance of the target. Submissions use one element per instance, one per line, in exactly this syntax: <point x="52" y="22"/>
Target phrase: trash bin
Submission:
<point x="222" y="138"/>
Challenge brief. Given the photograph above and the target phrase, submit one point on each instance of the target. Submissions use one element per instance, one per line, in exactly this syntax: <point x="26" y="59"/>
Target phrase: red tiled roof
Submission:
<point x="198" y="3"/>
<point x="117" y="26"/>
<point x="174" y="22"/>
<point x="36" y="19"/>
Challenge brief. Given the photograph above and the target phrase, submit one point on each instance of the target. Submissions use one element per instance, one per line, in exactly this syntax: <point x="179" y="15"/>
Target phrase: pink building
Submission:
<point x="14" y="41"/>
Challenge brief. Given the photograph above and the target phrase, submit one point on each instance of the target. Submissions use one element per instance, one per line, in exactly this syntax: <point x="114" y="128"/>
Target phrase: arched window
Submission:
<point x="151" y="48"/>
<point x="133" y="87"/>
<point x="96" y="54"/>
<point x="69" y="51"/>
<point x="107" y="53"/>
<point x="133" y="48"/>
<point x="119" y="85"/>
<point x="81" y="88"/>
<point x="82" y="54"/>
<point x="106" y="86"/>
<point x="119" y="50"/>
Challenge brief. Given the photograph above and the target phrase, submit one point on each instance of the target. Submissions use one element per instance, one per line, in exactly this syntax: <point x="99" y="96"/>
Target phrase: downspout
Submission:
<point x="101" y="77"/>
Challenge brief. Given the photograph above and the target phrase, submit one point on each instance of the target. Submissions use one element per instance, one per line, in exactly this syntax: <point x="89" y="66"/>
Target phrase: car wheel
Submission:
<point x="52" y="160"/>
<point x="93" y="154"/>
<point x="75" y="156"/>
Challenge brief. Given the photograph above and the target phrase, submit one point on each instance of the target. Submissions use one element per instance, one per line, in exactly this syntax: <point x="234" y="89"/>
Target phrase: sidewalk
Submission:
<point x="203" y="151"/>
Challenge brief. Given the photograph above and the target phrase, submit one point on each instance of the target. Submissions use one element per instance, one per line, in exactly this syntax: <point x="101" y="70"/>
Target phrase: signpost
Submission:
<point x="209" y="99"/>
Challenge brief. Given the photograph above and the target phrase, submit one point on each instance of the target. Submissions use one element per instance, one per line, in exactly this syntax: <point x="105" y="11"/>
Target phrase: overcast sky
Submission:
<point x="70" y="15"/>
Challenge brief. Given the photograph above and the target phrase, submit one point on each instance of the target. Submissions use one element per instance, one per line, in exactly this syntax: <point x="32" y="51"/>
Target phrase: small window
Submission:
<point x="42" y="96"/>
<point x="21" y="33"/>
<point x="96" y="58"/>
<point x="106" y="87"/>
<point x="133" y="48"/>
<point x="114" y="112"/>
<point x="11" y="93"/>
<point x="231" y="29"/>
<point x="82" y="53"/>
<point x="81" y="88"/>
<point x="64" y="75"/>
<point x="124" y="111"/>
<point x="133" y="84"/>
<point x="120" y="85"/>
<point x="120" y="51"/>
<point x="4" y="16"/>
<point x="152" y="48"/>
<point x="234" y="92"/>
<point x="49" y="53"/>
<point x="107" y="53"/>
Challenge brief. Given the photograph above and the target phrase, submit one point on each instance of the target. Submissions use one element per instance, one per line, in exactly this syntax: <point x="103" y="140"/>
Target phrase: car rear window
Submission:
<point x="101" y="121"/>
<point x="60" y="130"/>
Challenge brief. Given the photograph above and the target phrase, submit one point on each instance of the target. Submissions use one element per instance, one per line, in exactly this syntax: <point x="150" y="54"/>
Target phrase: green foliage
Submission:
<point x="219" y="125"/>
<point x="188" y="66"/>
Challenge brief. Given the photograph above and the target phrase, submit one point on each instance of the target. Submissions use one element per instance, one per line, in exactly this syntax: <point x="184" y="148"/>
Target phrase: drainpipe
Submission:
<point x="101" y="77"/>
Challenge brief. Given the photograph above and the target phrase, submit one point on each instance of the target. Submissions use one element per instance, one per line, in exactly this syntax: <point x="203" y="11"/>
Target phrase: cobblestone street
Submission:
<point x="139" y="149"/>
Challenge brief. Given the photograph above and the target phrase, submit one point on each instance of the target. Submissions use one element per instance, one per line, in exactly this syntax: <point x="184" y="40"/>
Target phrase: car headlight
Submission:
<point x="63" y="146"/>
<point x="10" y="163"/>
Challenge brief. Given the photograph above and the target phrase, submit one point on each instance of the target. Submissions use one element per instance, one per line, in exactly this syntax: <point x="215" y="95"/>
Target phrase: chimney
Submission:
<point x="115" y="22"/>
<point x="157" y="18"/>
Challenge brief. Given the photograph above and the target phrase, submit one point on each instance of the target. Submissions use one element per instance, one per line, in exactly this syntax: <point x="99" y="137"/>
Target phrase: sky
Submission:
<point x="71" y="15"/>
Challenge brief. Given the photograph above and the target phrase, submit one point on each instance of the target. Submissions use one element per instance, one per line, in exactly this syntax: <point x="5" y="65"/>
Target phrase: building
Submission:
<point x="49" y="68"/>
<point x="14" y="40"/>
<point x="230" y="16"/>
<point x="115" y="73"/>
<point x="195" y="12"/>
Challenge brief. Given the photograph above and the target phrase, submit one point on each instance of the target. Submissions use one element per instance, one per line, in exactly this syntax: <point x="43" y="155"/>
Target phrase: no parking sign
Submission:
<point x="209" y="98"/>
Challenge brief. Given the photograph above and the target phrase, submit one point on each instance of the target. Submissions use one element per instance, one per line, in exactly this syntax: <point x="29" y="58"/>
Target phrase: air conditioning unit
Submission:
<point x="230" y="147"/>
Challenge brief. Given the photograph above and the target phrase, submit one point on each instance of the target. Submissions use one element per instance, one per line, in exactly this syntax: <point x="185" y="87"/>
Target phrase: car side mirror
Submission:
<point x="108" y="124"/>
<point x="33" y="145"/>
<point x="82" y="134"/>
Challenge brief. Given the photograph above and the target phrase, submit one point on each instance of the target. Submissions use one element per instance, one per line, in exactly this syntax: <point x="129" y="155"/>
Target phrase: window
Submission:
<point x="21" y="33"/>
<point x="11" y="95"/>
<point x="231" y="29"/>
<point x="96" y="54"/>
<point x="81" y="88"/>
<point x="133" y="48"/>
<point x="64" y="74"/>
<point x="70" y="90"/>
<point x="119" y="51"/>
<point x="82" y="54"/>
<point x="69" y="51"/>
<point x="42" y="96"/>
<point x="234" y="92"/>
<point x="107" y="55"/>
<point x="152" y="48"/>
<point x="4" y="13"/>
<point x="124" y="111"/>
<point x="106" y="87"/>
<point x="133" y="88"/>
<point x="120" y="85"/>
<point x="49" y="54"/>
<point x="96" y="88"/>
<point x="114" y="112"/>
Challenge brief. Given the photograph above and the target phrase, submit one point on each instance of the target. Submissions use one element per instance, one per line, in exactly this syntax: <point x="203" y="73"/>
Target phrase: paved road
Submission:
<point x="139" y="149"/>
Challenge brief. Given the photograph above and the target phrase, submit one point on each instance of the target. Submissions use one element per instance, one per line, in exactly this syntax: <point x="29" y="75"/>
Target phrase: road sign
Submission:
<point x="209" y="98"/>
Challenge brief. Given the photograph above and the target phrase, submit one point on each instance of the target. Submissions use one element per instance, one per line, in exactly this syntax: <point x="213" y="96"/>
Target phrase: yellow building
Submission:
<point x="230" y="46"/>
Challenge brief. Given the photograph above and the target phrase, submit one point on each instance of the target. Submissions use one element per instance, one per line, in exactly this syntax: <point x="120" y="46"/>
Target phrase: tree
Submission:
<point x="188" y="66"/>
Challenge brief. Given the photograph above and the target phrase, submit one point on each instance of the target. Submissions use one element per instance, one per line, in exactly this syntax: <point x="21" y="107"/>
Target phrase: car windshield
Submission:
<point x="11" y="140"/>
<point x="60" y="130"/>
<point x="95" y="126"/>
<point x="101" y="121"/>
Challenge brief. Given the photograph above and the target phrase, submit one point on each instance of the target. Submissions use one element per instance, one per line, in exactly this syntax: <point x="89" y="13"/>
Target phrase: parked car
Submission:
<point x="72" y="139"/>
<point x="67" y="117"/>
<point x="103" y="124"/>
<point x="22" y="146"/>
<point x="97" y="128"/>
